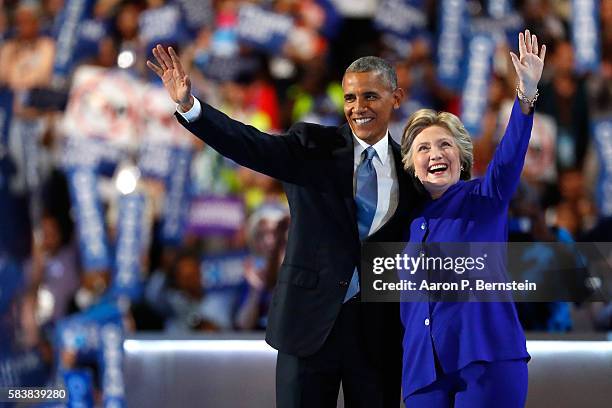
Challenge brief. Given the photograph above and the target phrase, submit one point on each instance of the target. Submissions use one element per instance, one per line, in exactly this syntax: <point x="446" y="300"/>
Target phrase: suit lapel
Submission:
<point x="344" y="161"/>
<point x="403" y="179"/>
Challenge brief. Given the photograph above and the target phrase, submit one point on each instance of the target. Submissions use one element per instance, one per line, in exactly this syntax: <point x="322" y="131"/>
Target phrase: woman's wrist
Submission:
<point x="527" y="96"/>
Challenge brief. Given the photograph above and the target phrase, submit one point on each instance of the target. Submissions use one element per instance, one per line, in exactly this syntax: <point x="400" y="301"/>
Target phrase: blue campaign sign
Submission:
<point x="92" y="152"/>
<point x="11" y="280"/>
<point x="26" y="134"/>
<point x="6" y="166"/>
<point x="67" y="34"/>
<point x="452" y="26"/>
<point x="503" y="18"/>
<point x="91" y="31"/>
<point x="127" y="280"/>
<point x="602" y="137"/>
<point x="79" y="335"/>
<point x="81" y="332"/>
<point x="90" y="222"/>
<point x="499" y="9"/>
<point x="6" y="113"/>
<point x="177" y="197"/>
<point x="23" y="369"/>
<point x="196" y="14"/>
<point x="79" y="387"/>
<point x="475" y="93"/>
<point x="225" y="270"/>
<point x="333" y="19"/>
<point x="403" y="18"/>
<point x="110" y="360"/>
<point x="262" y="29"/>
<point x="162" y="25"/>
<point x="586" y="34"/>
<point x="155" y="159"/>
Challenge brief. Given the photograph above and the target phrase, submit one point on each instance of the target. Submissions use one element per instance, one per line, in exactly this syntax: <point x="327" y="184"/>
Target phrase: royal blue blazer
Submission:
<point x="469" y="211"/>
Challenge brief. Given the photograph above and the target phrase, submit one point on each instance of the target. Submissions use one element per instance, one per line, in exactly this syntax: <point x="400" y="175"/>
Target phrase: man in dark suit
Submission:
<point x="345" y="185"/>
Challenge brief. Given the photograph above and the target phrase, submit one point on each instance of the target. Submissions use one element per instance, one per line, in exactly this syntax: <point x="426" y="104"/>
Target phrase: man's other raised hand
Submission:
<point x="171" y="72"/>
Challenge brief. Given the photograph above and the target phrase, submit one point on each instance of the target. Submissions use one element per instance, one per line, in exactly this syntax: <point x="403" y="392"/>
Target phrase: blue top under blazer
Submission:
<point x="469" y="211"/>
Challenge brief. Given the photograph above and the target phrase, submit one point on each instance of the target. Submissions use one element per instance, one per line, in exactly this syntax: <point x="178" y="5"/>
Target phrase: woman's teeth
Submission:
<point x="437" y="168"/>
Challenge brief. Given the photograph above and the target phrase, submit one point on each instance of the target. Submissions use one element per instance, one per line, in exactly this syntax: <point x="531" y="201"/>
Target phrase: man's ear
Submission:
<point x="398" y="96"/>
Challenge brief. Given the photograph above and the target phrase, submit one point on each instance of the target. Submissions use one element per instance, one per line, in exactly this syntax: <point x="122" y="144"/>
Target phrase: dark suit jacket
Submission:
<point x="315" y="165"/>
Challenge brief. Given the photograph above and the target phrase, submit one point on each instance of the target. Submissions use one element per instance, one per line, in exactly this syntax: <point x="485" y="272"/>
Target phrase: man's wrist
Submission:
<point x="190" y="113"/>
<point x="187" y="106"/>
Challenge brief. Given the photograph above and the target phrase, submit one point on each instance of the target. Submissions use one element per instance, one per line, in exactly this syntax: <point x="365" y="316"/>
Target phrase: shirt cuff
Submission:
<point x="193" y="113"/>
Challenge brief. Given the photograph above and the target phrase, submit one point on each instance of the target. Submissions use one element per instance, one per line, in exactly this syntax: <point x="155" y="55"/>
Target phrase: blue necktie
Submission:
<point x="366" y="198"/>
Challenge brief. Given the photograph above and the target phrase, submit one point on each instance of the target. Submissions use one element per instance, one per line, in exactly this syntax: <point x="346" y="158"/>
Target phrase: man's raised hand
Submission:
<point x="176" y="81"/>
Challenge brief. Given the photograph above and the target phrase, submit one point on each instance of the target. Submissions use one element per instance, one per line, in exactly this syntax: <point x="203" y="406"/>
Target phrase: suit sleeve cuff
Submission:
<point x="193" y="113"/>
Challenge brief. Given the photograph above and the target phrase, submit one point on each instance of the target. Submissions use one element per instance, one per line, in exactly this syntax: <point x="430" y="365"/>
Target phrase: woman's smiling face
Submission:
<point x="436" y="158"/>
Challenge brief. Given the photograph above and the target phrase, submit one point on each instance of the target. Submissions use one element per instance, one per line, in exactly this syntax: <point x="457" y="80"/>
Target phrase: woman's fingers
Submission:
<point x="515" y="61"/>
<point x="543" y="52"/>
<point x="534" y="44"/>
<point x="528" y="41"/>
<point x="521" y="45"/>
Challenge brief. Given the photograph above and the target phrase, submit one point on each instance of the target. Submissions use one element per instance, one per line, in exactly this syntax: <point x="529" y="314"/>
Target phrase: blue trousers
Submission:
<point x="502" y="384"/>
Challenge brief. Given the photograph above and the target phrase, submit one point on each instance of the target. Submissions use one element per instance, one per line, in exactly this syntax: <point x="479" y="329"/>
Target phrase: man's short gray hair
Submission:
<point x="375" y="64"/>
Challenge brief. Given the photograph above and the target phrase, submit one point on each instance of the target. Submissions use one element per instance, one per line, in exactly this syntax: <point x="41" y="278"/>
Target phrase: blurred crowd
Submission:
<point x="202" y="278"/>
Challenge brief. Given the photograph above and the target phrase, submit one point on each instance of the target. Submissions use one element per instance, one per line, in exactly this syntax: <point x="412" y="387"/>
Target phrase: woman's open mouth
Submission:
<point x="437" y="169"/>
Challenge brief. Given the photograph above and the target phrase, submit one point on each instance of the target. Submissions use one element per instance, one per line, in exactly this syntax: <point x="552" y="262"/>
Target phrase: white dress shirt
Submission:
<point x="388" y="188"/>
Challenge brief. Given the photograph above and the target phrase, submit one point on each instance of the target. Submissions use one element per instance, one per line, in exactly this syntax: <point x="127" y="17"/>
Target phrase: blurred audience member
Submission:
<point x="545" y="19"/>
<point x="159" y="280"/>
<point x="186" y="297"/>
<point x="314" y="98"/>
<point x="93" y="287"/>
<point x="563" y="96"/>
<point x="53" y="269"/>
<point x="575" y="212"/>
<point x="267" y="238"/>
<point x="30" y="52"/>
<point x="4" y="26"/>
<point x="527" y="224"/>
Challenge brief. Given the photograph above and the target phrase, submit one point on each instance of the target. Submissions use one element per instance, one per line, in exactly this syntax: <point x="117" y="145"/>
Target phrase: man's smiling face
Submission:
<point x="368" y="104"/>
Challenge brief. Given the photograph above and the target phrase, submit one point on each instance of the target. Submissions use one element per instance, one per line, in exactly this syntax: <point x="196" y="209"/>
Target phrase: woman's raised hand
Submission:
<point x="529" y="64"/>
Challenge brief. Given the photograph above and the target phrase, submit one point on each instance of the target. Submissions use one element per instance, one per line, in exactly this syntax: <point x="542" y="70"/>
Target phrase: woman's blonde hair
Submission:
<point x="424" y="118"/>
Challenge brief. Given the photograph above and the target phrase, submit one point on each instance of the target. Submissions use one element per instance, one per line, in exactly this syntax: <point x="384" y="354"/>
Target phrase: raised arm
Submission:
<point x="276" y="156"/>
<point x="504" y="171"/>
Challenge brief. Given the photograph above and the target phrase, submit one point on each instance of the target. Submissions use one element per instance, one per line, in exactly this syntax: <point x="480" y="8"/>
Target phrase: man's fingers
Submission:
<point x="534" y="44"/>
<point x="178" y="78"/>
<point x="165" y="57"/>
<point x="155" y="68"/>
<point x="159" y="59"/>
<point x="176" y="61"/>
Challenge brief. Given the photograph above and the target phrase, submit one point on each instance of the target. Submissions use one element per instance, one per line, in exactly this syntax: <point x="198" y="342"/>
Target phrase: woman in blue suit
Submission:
<point x="467" y="354"/>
